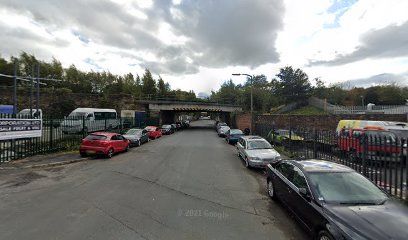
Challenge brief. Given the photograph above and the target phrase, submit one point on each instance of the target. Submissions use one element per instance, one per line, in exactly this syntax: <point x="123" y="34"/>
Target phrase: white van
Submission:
<point x="90" y="120"/>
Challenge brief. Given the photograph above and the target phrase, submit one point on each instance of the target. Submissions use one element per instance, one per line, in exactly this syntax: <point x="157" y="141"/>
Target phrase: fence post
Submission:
<point x="51" y="133"/>
<point x="83" y="127"/>
<point x="314" y="143"/>
<point x="364" y="156"/>
<point x="290" y="138"/>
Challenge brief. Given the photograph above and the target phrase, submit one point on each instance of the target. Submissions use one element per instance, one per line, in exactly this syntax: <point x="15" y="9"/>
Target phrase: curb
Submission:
<point x="43" y="165"/>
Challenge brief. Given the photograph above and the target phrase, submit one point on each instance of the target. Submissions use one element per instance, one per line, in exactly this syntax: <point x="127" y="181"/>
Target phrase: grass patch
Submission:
<point x="308" y="110"/>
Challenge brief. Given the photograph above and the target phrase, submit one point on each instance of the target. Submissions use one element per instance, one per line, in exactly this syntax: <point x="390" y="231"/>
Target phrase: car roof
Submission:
<point x="94" y="110"/>
<point x="108" y="134"/>
<point x="252" y="137"/>
<point x="315" y="165"/>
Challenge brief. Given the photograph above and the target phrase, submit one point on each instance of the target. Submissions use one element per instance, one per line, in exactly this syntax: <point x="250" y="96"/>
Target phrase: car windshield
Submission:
<point x="134" y="132"/>
<point x="345" y="188"/>
<point x="259" y="144"/>
<point x="235" y="131"/>
<point x="93" y="137"/>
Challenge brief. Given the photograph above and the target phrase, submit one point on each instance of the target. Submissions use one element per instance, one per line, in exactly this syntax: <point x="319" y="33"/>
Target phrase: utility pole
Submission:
<point x="251" y="78"/>
<point x="15" y="88"/>
<point x="38" y="89"/>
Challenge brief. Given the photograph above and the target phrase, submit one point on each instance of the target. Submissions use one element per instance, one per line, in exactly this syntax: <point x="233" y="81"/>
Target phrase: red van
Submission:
<point x="380" y="142"/>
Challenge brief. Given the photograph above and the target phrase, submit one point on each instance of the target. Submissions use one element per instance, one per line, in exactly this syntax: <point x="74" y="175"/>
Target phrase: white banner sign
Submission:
<point x="13" y="128"/>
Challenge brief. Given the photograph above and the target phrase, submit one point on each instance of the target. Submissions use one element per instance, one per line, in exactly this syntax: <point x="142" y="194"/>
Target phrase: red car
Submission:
<point x="103" y="143"/>
<point x="153" y="132"/>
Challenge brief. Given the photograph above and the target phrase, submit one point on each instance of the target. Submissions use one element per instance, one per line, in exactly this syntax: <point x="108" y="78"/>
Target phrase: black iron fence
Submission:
<point x="379" y="155"/>
<point x="61" y="134"/>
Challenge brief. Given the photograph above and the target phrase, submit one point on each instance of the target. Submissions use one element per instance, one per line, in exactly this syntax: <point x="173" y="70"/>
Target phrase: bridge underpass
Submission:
<point x="169" y="111"/>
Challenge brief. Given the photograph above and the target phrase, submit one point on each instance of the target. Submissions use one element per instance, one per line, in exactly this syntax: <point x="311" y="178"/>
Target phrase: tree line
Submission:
<point x="91" y="82"/>
<point x="293" y="85"/>
<point x="289" y="85"/>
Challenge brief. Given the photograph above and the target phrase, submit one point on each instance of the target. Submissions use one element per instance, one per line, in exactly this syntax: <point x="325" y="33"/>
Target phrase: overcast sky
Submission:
<point x="196" y="45"/>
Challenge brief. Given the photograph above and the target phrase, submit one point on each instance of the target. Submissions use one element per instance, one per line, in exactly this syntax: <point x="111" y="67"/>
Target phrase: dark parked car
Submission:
<point x="103" y="143"/>
<point x="233" y="135"/>
<point x="167" y="130"/>
<point x="333" y="201"/>
<point x="136" y="136"/>
<point x="174" y="127"/>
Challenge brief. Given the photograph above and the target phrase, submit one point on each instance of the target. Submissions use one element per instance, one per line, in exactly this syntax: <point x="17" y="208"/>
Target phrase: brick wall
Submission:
<point x="322" y="122"/>
<point x="243" y="120"/>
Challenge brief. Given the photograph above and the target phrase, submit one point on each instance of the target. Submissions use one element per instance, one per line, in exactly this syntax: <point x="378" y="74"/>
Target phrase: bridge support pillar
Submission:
<point x="167" y="117"/>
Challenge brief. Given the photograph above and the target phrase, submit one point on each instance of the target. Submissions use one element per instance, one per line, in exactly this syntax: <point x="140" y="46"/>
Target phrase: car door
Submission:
<point x="284" y="174"/>
<point x="123" y="143"/>
<point x="305" y="208"/>
<point x="243" y="149"/>
<point x="115" y="143"/>
<point x="144" y="137"/>
<point x="239" y="146"/>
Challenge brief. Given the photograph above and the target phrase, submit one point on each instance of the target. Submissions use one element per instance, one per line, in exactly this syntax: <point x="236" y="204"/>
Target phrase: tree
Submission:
<point x="148" y="85"/>
<point x="162" y="88"/>
<point x="292" y="84"/>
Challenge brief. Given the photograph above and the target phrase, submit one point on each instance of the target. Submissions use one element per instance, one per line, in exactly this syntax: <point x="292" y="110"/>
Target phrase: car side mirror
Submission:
<point x="305" y="193"/>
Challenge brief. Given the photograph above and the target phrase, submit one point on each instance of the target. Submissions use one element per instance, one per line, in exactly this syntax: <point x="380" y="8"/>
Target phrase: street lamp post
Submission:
<point x="252" y="98"/>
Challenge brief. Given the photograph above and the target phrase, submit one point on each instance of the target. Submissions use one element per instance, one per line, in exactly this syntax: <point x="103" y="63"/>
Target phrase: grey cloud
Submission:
<point x="230" y="32"/>
<point x="26" y="41"/>
<point x="379" y="79"/>
<point x="391" y="41"/>
<point x="225" y="33"/>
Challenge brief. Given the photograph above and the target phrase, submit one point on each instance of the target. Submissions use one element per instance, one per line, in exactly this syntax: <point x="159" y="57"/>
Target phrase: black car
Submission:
<point x="167" y="129"/>
<point x="333" y="201"/>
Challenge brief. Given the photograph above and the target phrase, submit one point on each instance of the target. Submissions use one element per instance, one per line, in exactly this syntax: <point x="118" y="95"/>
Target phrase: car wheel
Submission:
<point x="324" y="235"/>
<point x="138" y="143"/>
<point x="83" y="154"/>
<point x="271" y="190"/>
<point x="127" y="148"/>
<point x="246" y="163"/>
<point x="110" y="153"/>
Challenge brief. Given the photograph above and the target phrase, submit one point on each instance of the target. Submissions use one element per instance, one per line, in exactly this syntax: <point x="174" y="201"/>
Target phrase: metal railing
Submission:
<point x="63" y="134"/>
<point x="337" y="109"/>
<point x="381" y="158"/>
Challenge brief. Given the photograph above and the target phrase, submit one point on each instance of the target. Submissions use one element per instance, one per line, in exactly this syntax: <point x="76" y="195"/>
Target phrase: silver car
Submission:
<point x="222" y="131"/>
<point x="256" y="151"/>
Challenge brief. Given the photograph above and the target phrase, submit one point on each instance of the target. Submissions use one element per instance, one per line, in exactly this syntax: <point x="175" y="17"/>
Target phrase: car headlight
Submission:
<point x="255" y="158"/>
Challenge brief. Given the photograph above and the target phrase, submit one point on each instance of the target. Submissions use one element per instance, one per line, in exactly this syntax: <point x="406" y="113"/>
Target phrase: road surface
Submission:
<point x="189" y="185"/>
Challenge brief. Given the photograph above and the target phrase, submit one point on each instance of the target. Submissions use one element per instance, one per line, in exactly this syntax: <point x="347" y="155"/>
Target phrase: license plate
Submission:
<point x="90" y="152"/>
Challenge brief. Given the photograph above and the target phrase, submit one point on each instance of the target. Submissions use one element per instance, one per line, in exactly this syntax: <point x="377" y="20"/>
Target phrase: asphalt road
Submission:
<point x="189" y="185"/>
